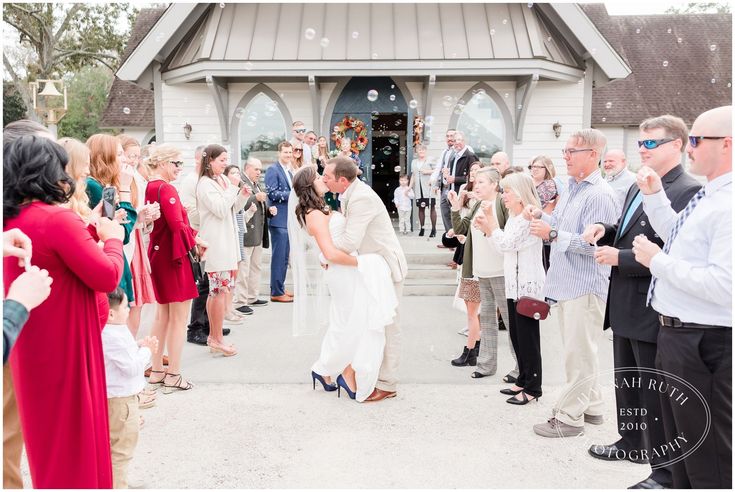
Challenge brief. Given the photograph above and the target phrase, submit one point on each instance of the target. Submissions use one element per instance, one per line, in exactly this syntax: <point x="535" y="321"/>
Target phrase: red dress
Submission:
<point x="57" y="362"/>
<point x="171" y="240"/>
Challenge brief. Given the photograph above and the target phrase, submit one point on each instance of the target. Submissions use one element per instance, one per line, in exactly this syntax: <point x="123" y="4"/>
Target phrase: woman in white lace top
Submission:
<point x="524" y="276"/>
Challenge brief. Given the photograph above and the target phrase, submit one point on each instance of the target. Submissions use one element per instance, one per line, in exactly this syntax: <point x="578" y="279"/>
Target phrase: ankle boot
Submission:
<point x="474" y="353"/>
<point x="463" y="360"/>
<point x="433" y="232"/>
<point x="421" y="232"/>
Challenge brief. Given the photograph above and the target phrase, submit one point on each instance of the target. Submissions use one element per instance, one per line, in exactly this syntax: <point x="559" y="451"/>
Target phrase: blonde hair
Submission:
<point x="160" y="154"/>
<point x="523" y="186"/>
<point x="591" y="137"/>
<point x="78" y="159"/>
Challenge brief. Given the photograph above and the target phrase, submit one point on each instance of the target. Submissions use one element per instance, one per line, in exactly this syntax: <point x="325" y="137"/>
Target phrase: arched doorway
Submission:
<point x="378" y="103"/>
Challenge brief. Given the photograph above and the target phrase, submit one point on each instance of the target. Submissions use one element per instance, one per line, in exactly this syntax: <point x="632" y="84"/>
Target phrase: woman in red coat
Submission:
<point x="57" y="363"/>
<point x="173" y="279"/>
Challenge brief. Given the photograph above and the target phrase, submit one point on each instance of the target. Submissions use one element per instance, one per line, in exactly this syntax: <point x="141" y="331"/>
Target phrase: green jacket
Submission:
<point x="462" y="226"/>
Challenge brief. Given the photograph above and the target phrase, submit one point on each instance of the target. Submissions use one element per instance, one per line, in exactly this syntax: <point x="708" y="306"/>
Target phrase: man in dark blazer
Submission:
<point x="456" y="174"/>
<point x="278" y="180"/>
<point x="635" y="326"/>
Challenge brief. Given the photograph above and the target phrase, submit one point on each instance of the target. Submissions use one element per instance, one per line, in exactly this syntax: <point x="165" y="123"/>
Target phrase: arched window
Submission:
<point x="482" y="123"/>
<point x="262" y="128"/>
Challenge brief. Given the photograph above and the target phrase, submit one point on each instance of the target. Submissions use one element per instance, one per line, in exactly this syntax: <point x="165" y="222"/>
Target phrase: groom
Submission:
<point x="370" y="230"/>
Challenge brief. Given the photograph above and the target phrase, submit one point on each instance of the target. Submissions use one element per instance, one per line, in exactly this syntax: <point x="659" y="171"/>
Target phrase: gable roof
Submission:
<point x="675" y="59"/>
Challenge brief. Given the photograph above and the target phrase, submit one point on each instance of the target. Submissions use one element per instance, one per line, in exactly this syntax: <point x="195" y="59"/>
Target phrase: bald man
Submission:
<point x="617" y="174"/>
<point x="500" y="161"/>
<point x="691" y="289"/>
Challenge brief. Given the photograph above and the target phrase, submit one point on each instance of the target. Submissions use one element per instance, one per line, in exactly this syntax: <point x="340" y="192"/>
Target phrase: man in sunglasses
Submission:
<point x="691" y="289"/>
<point x="635" y="326"/>
<point x="298" y="132"/>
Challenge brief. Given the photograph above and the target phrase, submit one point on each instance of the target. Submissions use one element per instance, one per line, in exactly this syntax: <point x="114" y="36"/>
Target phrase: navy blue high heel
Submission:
<point x="327" y="387"/>
<point x="341" y="383"/>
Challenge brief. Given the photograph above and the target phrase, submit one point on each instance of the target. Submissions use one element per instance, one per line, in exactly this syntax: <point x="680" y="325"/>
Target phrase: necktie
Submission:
<point x="667" y="247"/>
<point x="631" y="210"/>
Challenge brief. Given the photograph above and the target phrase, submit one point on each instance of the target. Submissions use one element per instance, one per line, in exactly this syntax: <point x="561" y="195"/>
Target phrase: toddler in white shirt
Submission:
<point x="125" y="363"/>
<point x="402" y="198"/>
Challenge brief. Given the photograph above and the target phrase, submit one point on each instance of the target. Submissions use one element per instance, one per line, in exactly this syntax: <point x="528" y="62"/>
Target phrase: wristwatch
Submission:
<point x="553" y="234"/>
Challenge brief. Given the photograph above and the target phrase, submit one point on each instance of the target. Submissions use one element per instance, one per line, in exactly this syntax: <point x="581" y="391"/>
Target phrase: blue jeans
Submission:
<point x="279" y="259"/>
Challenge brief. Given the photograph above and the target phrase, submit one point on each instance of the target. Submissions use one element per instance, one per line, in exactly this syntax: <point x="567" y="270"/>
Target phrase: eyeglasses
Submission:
<point x="652" y="144"/>
<point x="300" y="130"/>
<point x="177" y="163"/>
<point x="694" y="141"/>
<point x="298" y="150"/>
<point x="570" y="152"/>
<point x="536" y="167"/>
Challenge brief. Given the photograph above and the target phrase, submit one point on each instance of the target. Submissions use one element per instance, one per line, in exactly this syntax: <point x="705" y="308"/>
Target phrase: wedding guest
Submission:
<point x="501" y="162"/>
<point x="347" y="151"/>
<point x="542" y="168"/>
<point x="173" y="280"/>
<point x="125" y="363"/>
<point x="422" y="169"/>
<point x="298" y="137"/>
<point x="278" y="179"/>
<point x="298" y="156"/>
<point x="437" y="180"/>
<point x="310" y="142"/>
<point x="524" y="276"/>
<point x="617" y="174"/>
<point x="322" y="156"/>
<point x="78" y="169"/>
<point x="64" y="420"/>
<point x="402" y="197"/>
<point x="219" y="198"/>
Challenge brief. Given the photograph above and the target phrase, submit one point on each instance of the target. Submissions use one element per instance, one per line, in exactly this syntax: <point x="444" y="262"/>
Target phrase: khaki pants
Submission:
<point x="247" y="283"/>
<point x="124" y="427"/>
<point x="388" y="375"/>
<point x="12" y="435"/>
<point x="580" y="322"/>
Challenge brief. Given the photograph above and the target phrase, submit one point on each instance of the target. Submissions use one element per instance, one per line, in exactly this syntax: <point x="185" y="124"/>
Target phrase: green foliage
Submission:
<point x="13" y="107"/>
<point x="701" y="8"/>
<point x="87" y="90"/>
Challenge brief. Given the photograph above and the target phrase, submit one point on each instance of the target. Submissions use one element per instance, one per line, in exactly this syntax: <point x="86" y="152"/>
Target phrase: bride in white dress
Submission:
<point x="362" y="299"/>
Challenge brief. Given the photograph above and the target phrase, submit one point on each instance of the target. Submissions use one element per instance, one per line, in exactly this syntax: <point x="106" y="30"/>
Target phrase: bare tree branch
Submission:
<point x="30" y="36"/>
<point x="21" y="87"/>
<point x="100" y="57"/>
<point x="65" y="24"/>
<point x="27" y="12"/>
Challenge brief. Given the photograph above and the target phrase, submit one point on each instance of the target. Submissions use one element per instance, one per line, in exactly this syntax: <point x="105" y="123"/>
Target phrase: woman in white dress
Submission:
<point x="362" y="300"/>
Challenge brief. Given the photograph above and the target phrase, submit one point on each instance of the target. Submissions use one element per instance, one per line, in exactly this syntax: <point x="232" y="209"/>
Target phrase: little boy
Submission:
<point x="125" y="362"/>
<point x="402" y="198"/>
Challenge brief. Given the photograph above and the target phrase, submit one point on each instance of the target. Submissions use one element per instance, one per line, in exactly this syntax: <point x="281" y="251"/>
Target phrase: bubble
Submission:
<point x="250" y="123"/>
<point x="372" y="95"/>
<point x="530" y="5"/>
<point x="395" y="109"/>
<point x="492" y="32"/>
<point x="222" y="5"/>
<point x="454" y="55"/>
<point x="397" y="169"/>
<point x="505" y="21"/>
<point x="666" y="63"/>
<point x="604" y="119"/>
<point x="355" y="35"/>
<point x="208" y="79"/>
<point x="593" y="50"/>
<point x="399" y="122"/>
<point x="638" y="31"/>
<point x="309" y="33"/>
<point x="372" y="167"/>
<point x="506" y="95"/>
<point x="159" y="37"/>
<point x="729" y="84"/>
<point x="536" y="316"/>
<point x="324" y="42"/>
<point x="375" y="56"/>
<point x="248" y="66"/>
<point x="336" y="129"/>
<point x="392" y="86"/>
<point x="126" y="110"/>
<point x="387" y="184"/>
<point x="429" y="120"/>
<point x="548" y="39"/>
<point x="678" y="40"/>
<point x="402" y="151"/>
<point x="713" y="81"/>
<point x="608" y="105"/>
<point x="712" y="47"/>
<point x="394" y="136"/>
<point x="387" y="150"/>
<point x="668" y="31"/>
<point x="483" y="148"/>
<point x="207" y="108"/>
<point x="413" y="104"/>
<point x="520" y="106"/>
<point x="392" y="97"/>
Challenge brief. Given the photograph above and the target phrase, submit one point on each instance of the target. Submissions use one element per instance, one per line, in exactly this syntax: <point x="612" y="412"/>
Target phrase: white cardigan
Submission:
<point x="217" y="224"/>
<point x="522" y="258"/>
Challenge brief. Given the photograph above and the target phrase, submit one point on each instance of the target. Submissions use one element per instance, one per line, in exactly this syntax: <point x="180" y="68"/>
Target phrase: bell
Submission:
<point x="49" y="90"/>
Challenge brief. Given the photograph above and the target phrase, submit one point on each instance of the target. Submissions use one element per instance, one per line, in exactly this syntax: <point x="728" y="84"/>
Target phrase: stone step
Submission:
<point x="415" y="271"/>
<point x="439" y="258"/>
<point x="411" y="287"/>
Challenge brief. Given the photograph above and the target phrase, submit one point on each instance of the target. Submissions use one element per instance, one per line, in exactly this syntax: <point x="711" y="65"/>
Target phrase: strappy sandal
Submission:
<point x="509" y="379"/>
<point x="146" y="400"/>
<point x="170" y="388"/>
<point x="158" y="382"/>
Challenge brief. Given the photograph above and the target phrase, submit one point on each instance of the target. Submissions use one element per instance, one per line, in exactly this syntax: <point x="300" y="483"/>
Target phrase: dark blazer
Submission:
<point x="278" y="189"/>
<point x="256" y="229"/>
<point x="626" y="310"/>
<point x="462" y="169"/>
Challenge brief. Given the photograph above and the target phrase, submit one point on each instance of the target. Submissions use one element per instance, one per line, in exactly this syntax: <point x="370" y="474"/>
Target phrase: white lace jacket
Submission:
<point x="522" y="265"/>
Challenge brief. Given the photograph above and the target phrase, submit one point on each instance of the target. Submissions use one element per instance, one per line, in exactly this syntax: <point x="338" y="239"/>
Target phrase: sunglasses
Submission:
<point x="297" y="150"/>
<point x="301" y="130"/>
<point x="694" y="141"/>
<point x="177" y="163"/>
<point x="652" y="144"/>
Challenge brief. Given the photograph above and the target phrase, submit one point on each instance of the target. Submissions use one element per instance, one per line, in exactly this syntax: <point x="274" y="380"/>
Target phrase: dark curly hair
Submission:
<point x="303" y="186"/>
<point x="34" y="169"/>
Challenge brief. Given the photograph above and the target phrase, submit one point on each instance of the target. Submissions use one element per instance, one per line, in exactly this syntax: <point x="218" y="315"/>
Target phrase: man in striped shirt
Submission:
<point x="576" y="283"/>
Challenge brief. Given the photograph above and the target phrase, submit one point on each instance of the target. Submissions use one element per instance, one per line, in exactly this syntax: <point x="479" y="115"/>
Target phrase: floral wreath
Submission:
<point x="350" y="123"/>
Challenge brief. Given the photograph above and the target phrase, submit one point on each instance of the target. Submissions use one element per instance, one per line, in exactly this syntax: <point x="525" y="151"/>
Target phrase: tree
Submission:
<point x="13" y="107"/>
<point x="87" y="90"/>
<point x="701" y="8"/>
<point x="63" y="38"/>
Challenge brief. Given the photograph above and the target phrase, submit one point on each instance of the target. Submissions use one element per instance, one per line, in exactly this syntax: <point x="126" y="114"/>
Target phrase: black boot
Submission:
<point x="474" y="352"/>
<point x="464" y="359"/>
<point x="421" y="232"/>
<point x="433" y="232"/>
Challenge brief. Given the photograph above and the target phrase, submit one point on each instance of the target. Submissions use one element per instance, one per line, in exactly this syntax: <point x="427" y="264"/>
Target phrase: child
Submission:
<point x="402" y="198"/>
<point x="125" y="362"/>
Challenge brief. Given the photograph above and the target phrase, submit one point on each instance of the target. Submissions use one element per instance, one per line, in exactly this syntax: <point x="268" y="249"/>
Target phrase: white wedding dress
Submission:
<point x="362" y="302"/>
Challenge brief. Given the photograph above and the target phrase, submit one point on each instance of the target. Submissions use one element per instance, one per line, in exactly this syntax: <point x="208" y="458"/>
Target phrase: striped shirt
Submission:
<point x="240" y="219"/>
<point x="573" y="271"/>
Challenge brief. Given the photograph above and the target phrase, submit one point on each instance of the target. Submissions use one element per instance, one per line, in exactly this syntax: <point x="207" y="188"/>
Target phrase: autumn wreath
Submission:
<point x="359" y="142"/>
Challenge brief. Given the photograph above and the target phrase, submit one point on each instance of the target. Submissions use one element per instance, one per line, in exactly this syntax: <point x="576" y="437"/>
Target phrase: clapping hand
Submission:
<point x="253" y="208"/>
<point x="607" y="255"/>
<point x="593" y="233"/>
<point x="541" y="229"/>
<point x="127" y="174"/>
<point x="261" y="196"/>
<point x="455" y="200"/>
<point x="644" y="250"/>
<point x="109" y="229"/>
<point x="648" y="181"/>
<point x="31" y="288"/>
<point x="150" y="342"/>
<point x="16" y="243"/>
<point x="121" y="216"/>
<point x="483" y="224"/>
<point x="273" y="211"/>
<point x="531" y="212"/>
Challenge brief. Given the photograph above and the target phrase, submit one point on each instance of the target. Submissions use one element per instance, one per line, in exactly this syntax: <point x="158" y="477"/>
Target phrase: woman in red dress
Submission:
<point x="173" y="279"/>
<point x="57" y="363"/>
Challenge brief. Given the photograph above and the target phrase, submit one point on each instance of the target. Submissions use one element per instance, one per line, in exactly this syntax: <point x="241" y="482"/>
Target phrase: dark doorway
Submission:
<point x="389" y="155"/>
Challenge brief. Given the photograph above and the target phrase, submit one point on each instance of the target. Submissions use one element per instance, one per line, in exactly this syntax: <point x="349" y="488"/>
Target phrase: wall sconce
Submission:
<point x="557" y="129"/>
<point x="187" y="131"/>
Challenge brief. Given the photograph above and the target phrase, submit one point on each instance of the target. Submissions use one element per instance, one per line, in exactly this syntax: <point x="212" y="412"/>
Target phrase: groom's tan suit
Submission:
<point x="369" y="230"/>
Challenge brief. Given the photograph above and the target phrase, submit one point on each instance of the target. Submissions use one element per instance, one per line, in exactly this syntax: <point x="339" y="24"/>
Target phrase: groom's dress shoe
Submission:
<point x="379" y="394"/>
<point x="282" y="298"/>
<point x="613" y="453"/>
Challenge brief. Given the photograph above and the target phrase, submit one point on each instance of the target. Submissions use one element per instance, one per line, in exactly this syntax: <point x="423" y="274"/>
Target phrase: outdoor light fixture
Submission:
<point x="557" y="129"/>
<point x="187" y="130"/>
<point x="46" y="104"/>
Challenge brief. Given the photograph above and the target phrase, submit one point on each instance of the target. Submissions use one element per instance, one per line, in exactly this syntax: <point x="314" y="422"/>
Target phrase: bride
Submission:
<point x="362" y="298"/>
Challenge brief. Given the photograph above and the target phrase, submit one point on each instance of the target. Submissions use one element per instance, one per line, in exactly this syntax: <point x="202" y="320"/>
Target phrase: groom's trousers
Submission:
<point x="388" y="376"/>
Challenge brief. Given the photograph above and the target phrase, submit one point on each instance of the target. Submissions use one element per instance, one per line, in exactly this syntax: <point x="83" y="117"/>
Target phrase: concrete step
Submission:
<point x="415" y="271"/>
<point x="410" y="288"/>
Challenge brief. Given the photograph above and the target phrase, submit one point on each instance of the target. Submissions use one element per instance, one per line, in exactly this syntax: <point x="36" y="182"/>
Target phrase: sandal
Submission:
<point x="509" y="379"/>
<point x="177" y="386"/>
<point x="146" y="400"/>
<point x="478" y="375"/>
<point x="159" y="381"/>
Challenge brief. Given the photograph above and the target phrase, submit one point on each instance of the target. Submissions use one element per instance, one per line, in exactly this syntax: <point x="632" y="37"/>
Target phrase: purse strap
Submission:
<point x="517" y="284"/>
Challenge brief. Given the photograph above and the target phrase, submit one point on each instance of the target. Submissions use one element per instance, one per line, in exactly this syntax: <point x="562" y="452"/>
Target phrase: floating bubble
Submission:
<point x="372" y="95"/>
<point x="530" y="5"/>
<point x="429" y="120"/>
<point x="372" y="167"/>
<point x="713" y="81"/>
<point x="638" y="31"/>
<point x="402" y="151"/>
<point x="505" y="21"/>
<point x="395" y="109"/>
<point x="668" y="31"/>
<point x="222" y="5"/>
<point x="604" y="119"/>
<point x="248" y="66"/>
<point x="208" y="79"/>
<point x="492" y="32"/>
<point x="729" y="84"/>
<point x="392" y="86"/>
<point x="309" y="33"/>
<point x="336" y="129"/>
<point x="454" y="55"/>
<point x="397" y="169"/>
<point x="413" y="104"/>
<point x="375" y="56"/>
<point x="520" y="106"/>
<point x="483" y="148"/>
<point x="506" y="95"/>
<point x="324" y="42"/>
<point x="250" y="123"/>
<point x="392" y="97"/>
<point x="387" y="150"/>
<point x="394" y="136"/>
<point x="207" y="108"/>
<point x="548" y="39"/>
<point x="355" y="35"/>
<point x="678" y="40"/>
<point x="608" y="105"/>
<point x="712" y="47"/>
<point x="126" y="110"/>
<point x="593" y="50"/>
<point x="666" y="63"/>
<point x="159" y="37"/>
<point x="399" y="122"/>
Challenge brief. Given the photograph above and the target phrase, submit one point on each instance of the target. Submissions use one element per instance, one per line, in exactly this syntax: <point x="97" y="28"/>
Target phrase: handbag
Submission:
<point x="197" y="266"/>
<point x="528" y="306"/>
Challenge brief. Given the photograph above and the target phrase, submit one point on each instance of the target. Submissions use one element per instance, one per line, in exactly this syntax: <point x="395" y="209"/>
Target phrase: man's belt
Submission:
<point x="677" y="323"/>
